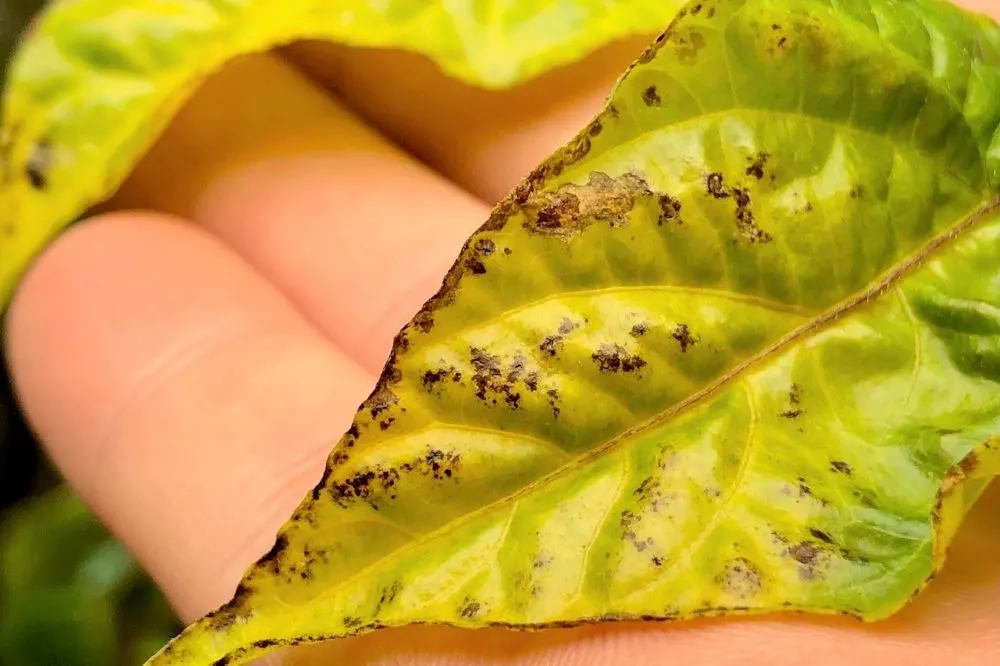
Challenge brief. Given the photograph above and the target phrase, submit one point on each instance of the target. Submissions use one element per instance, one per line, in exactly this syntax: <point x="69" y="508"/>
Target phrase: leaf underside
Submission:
<point x="97" y="82"/>
<point x="734" y="349"/>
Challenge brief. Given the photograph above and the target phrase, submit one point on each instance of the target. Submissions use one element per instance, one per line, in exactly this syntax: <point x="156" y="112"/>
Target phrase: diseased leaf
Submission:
<point x="734" y="349"/>
<point x="98" y="81"/>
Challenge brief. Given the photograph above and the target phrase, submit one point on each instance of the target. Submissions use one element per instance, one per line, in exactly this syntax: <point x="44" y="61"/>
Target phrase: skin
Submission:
<point x="188" y="355"/>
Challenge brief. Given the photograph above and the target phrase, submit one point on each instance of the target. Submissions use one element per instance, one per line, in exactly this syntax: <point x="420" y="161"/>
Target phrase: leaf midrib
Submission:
<point x="875" y="289"/>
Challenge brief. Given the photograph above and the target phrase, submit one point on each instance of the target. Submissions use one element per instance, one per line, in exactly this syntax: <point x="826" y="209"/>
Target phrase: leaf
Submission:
<point x="734" y="349"/>
<point x="94" y="86"/>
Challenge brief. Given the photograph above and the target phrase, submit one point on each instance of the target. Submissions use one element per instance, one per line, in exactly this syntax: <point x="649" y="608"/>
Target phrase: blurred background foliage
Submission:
<point x="70" y="594"/>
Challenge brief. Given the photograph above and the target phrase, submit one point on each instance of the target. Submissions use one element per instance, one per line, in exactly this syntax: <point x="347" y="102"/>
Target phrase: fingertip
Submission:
<point x="188" y="403"/>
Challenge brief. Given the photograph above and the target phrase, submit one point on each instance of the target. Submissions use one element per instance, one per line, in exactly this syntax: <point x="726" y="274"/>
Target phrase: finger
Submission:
<point x="484" y="140"/>
<point x="186" y="401"/>
<point x="355" y="232"/>
<point x="988" y="7"/>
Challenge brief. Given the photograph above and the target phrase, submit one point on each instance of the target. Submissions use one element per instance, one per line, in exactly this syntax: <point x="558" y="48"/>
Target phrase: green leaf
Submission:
<point x="734" y="349"/>
<point x="96" y="84"/>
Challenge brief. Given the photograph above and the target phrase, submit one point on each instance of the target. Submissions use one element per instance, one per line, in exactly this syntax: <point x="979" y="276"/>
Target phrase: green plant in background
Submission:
<point x="701" y="257"/>
<point x="69" y="593"/>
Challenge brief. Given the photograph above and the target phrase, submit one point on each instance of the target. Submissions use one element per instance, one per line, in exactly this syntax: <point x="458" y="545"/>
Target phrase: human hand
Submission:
<point x="188" y="370"/>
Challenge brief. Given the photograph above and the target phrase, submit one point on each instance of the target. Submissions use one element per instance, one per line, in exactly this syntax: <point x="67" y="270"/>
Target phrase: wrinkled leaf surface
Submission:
<point x="734" y="349"/>
<point x="98" y="80"/>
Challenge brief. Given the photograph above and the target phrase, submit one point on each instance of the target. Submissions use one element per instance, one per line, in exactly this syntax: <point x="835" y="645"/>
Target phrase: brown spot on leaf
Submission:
<point x="629" y="521"/>
<point x="651" y="97"/>
<point x="572" y="208"/>
<point x="272" y="559"/>
<point x="381" y="401"/>
<point x="745" y="223"/>
<point x="811" y="558"/>
<point x="745" y="220"/>
<point x="439" y="465"/>
<point x="715" y="185"/>
<point x="424" y="320"/>
<point x="821" y="535"/>
<point x="615" y="358"/>
<point x="969" y="463"/>
<point x="370" y="485"/>
<point x="794" y="399"/>
<point x="648" y="54"/>
<point x="469" y="609"/>
<point x="757" y="164"/>
<point x="483" y="247"/>
<point x="804" y="553"/>
<point x="687" y="45"/>
<point x="670" y="210"/>
<point x="840" y="467"/>
<point x="682" y="334"/>
<point x="388" y="595"/>
<point x="639" y="330"/>
<point x="494" y="383"/>
<point x="550" y="344"/>
<point x="432" y="377"/>
<point x="740" y="579"/>
<point x="647" y="490"/>
<point x="575" y="151"/>
<point x="554" y="399"/>
<point x="475" y="265"/>
<point x="39" y="164"/>
<point x="542" y="561"/>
